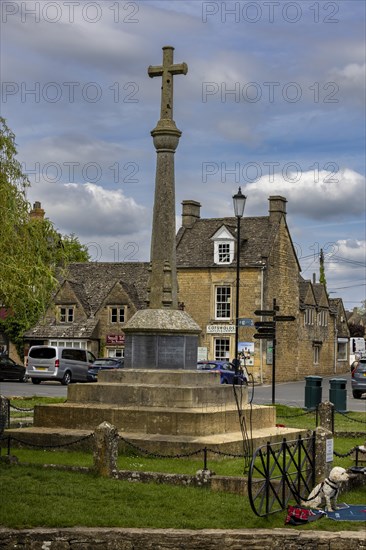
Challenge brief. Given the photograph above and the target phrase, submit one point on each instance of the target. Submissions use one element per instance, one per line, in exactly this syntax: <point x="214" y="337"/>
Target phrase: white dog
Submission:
<point x="327" y="491"/>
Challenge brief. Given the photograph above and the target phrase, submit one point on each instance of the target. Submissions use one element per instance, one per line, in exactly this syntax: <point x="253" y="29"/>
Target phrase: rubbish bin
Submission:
<point x="338" y="393"/>
<point x="313" y="391"/>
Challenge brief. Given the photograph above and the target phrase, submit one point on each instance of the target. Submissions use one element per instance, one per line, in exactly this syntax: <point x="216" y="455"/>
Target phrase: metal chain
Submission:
<point x="27" y="443"/>
<point x="22" y="410"/>
<point x="157" y="455"/>
<point x="351" y="419"/>
<point x="339" y="455"/>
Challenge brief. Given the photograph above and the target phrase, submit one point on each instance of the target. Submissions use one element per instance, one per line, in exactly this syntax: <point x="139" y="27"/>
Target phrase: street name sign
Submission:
<point x="264" y="312"/>
<point x="245" y="322"/>
<point x="268" y="324"/>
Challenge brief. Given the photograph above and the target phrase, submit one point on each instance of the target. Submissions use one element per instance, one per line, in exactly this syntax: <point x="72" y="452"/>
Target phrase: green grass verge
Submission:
<point x="294" y="417"/>
<point x="224" y="467"/>
<point x="44" y="498"/>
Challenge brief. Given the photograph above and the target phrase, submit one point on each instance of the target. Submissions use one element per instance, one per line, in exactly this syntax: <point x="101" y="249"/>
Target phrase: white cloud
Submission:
<point x="89" y="210"/>
<point x="313" y="194"/>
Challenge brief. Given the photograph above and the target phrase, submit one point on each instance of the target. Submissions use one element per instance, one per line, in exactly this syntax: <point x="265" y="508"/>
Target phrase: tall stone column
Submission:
<point x="163" y="336"/>
<point x="163" y="291"/>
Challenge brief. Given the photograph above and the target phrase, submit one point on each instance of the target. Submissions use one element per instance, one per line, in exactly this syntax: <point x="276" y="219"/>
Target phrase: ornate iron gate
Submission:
<point x="279" y="472"/>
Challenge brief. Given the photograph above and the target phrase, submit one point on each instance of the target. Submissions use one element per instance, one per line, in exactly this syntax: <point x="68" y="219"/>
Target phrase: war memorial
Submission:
<point x="160" y="401"/>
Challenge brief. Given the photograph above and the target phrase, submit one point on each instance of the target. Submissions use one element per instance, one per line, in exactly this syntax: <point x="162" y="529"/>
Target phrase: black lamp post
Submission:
<point x="239" y="205"/>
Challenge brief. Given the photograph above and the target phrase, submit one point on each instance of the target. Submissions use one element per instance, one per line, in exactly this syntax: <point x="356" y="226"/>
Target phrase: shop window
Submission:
<point x="222" y="349"/>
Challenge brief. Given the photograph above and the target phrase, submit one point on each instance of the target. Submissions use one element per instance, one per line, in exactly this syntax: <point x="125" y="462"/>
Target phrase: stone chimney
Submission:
<point x="190" y="213"/>
<point x="277" y="208"/>
<point x="37" y="212"/>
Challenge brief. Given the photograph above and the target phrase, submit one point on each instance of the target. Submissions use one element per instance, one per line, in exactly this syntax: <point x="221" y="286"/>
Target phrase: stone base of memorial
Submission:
<point x="161" y="339"/>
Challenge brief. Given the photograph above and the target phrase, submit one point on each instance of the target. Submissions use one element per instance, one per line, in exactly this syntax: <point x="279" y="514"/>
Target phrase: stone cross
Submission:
<point x="167" y="70"/>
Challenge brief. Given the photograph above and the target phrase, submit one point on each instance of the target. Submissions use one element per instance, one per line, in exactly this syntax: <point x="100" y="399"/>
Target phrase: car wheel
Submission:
<point x="357" y="394"/>
<point x="24" y="378"/>
<point x="36" y="381"/>
<point x="66" y="379"/>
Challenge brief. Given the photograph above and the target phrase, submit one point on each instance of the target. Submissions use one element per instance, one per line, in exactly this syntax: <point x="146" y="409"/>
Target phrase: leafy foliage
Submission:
<point x="31" y="249"/>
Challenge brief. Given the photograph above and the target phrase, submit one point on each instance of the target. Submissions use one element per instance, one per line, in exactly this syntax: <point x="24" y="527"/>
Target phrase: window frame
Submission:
<point x="120" y="314"/>
<point x="66" y="314"/>
<point x="221" y="303"/>
<point x="309" y="316"/>
<point x="218" y="342"/>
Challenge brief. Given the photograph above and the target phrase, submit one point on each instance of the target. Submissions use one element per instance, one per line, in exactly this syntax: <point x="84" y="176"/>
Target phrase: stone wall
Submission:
<point x="281" y="282"/>
<point x="171" y="539"/>
<point x="197" y="291"/>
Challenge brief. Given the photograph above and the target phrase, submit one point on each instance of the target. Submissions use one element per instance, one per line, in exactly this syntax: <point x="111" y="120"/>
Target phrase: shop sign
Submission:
<point x="115" y="339"/>
<point x="220" y="329"/>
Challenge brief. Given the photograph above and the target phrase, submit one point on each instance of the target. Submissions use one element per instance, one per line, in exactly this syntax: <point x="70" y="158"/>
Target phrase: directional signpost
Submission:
<point x="266" y="330"/>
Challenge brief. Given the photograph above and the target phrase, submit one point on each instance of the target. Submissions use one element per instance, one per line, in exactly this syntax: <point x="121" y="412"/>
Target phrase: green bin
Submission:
<point x="313" y="392"/>
<point x="338" y="393"/>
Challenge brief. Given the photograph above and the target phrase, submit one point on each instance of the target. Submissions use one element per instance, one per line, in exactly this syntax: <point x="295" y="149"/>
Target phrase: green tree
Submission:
<point x="71" y="250"/>
<point x="31" y="249"/>
<point x="322" y="278"/>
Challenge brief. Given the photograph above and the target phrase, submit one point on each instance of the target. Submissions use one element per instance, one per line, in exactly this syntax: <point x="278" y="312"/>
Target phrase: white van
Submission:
<point x="58" y="363"/>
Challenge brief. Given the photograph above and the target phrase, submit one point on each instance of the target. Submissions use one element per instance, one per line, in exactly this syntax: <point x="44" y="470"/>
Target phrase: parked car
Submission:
<point x="10" y="370"/>
<point x="104" y="364"/>
<point x="58" y="363"/>
<point x="358" y="379"/>
<point x="225" y="369"/>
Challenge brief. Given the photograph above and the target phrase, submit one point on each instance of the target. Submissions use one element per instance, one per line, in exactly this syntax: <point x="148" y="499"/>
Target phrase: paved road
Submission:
<point x="289" y="393"/>
<point x="293" y="394"/>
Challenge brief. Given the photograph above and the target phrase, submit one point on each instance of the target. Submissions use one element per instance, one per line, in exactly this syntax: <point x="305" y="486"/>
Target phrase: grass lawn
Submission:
<point x="35" y="497"/>
<point x="44" y="498"/>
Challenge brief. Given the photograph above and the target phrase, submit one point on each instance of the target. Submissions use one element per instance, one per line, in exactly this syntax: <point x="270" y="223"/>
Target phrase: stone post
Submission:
<point x="322" y="467"/>
<point x="4" y="413"/>
<point x="326" y="415"/>
<point x="105" y="449"/>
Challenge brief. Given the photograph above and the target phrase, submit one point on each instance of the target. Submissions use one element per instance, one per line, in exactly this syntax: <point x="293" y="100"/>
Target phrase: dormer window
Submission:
<point x="223" y="246"/>
<point x="224" y="253"/>
<point x="117" y="314"/>
<point x="66" y="314"/>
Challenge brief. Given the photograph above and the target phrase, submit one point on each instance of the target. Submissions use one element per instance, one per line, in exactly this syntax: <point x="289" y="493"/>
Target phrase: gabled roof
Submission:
<point x="306" y="293"/>
<point x="337" y="308"/>
<point x="96" y="279"/>
<point x="320" y="294"/>
<point x="195" y="247"/>
<point x="79" y="292"/>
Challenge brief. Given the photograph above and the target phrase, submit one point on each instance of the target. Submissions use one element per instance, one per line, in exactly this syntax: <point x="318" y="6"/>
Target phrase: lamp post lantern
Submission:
<point x="239" y="205"/>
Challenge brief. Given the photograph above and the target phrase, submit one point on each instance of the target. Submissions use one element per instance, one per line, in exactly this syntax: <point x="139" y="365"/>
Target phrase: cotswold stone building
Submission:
<point x="95" y="300"/>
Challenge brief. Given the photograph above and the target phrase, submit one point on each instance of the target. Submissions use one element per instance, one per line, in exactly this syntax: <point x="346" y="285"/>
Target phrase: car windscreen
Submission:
<point x="42" y="353"/>
<point x="101" y="363"/>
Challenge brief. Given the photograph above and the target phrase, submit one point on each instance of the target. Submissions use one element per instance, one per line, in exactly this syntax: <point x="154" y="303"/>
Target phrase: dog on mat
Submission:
<point x="326" y="493"/>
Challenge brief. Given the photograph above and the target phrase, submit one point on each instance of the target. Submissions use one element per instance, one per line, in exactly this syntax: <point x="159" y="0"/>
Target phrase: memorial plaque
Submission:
<point x="171" y="351"/>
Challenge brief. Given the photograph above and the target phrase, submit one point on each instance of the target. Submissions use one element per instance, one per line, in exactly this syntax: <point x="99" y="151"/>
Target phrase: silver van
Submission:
<point x="58" y="363"/>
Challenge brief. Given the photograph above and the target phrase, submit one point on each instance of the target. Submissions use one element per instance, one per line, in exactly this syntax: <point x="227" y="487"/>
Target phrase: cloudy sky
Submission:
<point x="274" y="101"/>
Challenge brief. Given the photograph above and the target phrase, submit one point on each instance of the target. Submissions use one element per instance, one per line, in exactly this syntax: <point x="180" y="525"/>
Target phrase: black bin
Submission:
<point x="313" y="392"/>
<point x="338" y="393"/>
